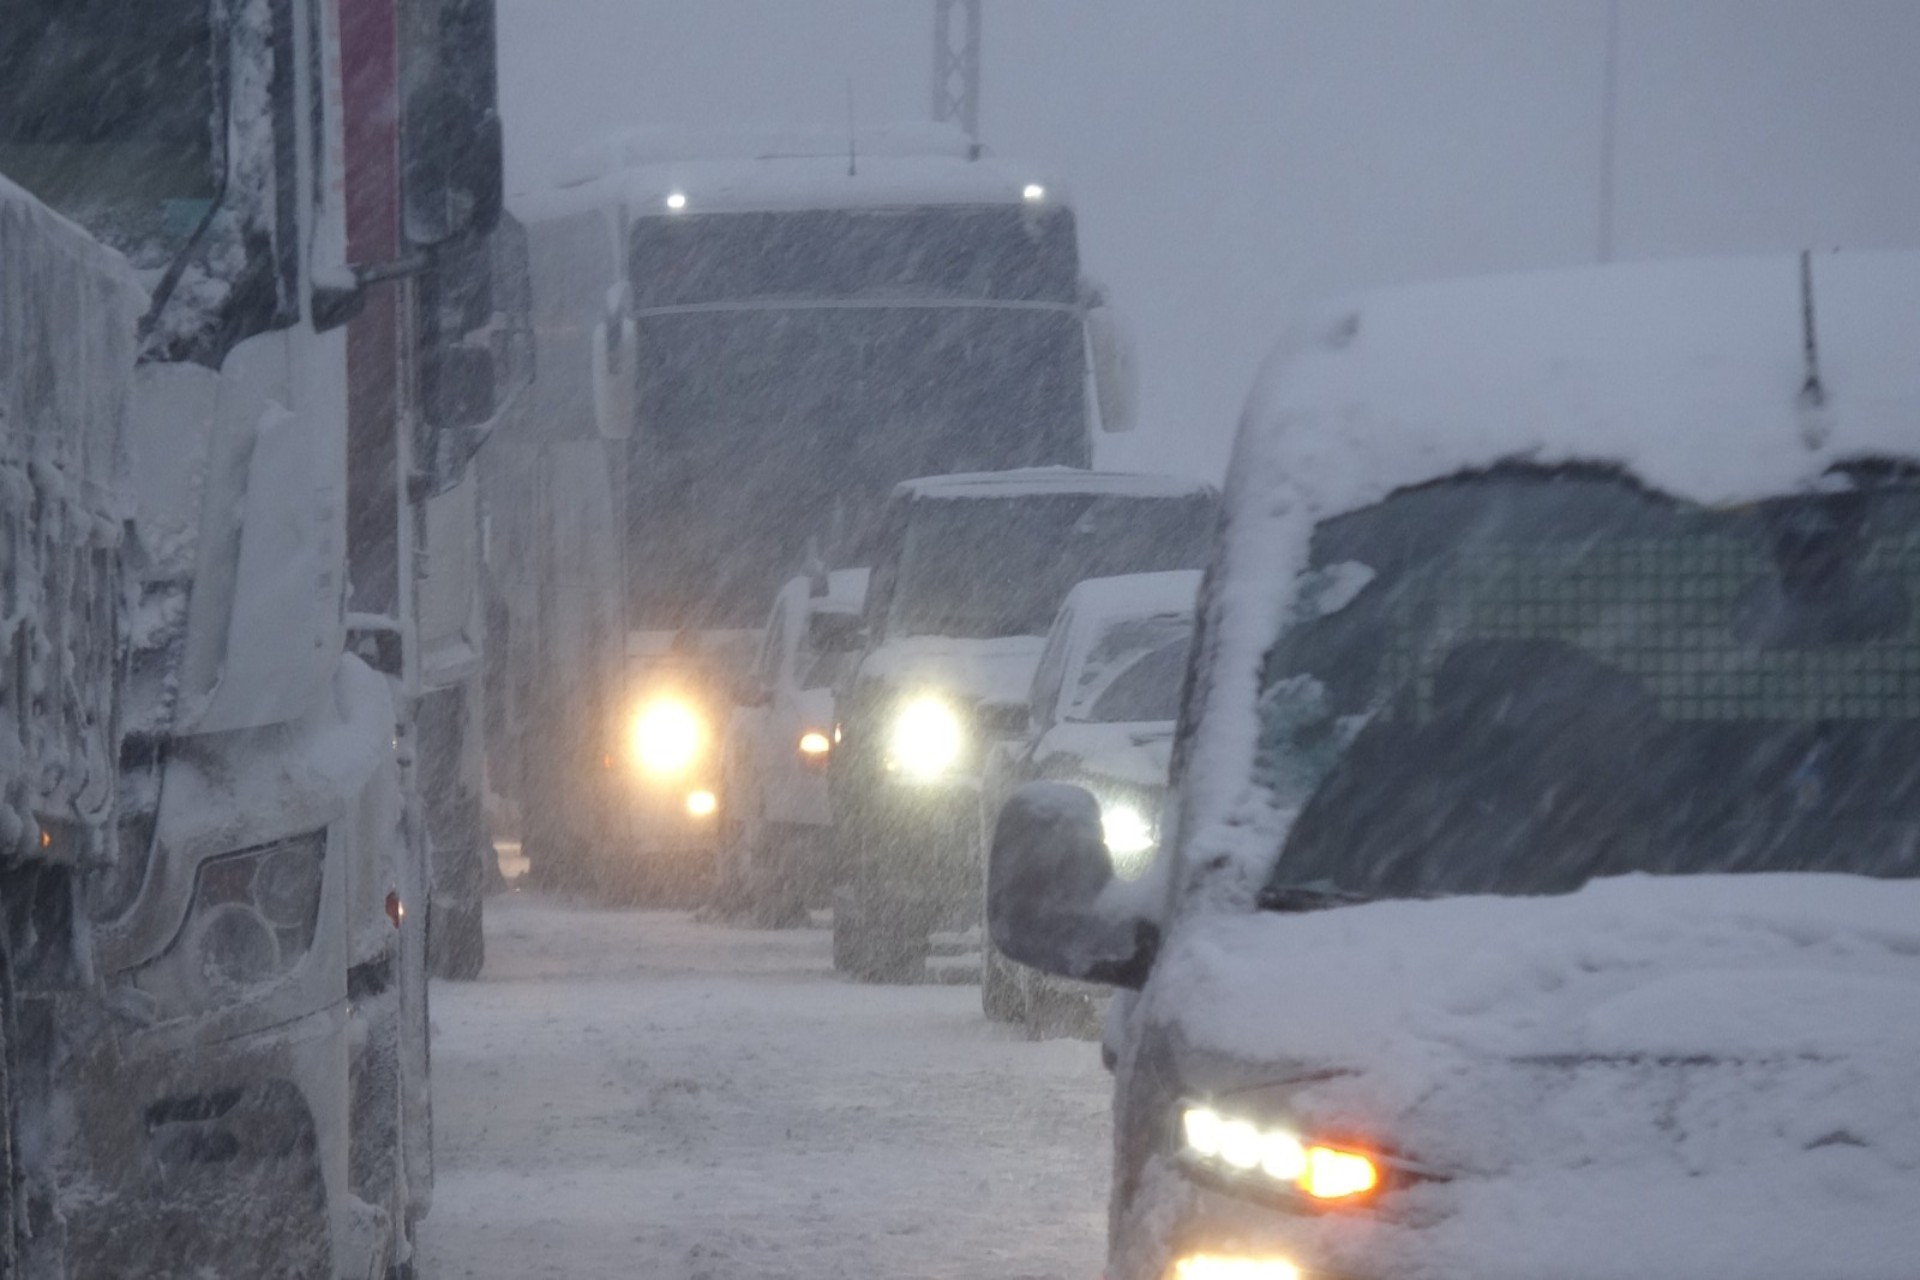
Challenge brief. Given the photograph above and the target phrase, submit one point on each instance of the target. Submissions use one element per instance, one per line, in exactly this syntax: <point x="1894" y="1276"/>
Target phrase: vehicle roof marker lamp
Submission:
<point x="926" y="740"/>
<point x="1238" y="1148"/>
<point x="1033" y="193"/>
<point x="668" y="736"/>
<point x="677" y="201"/>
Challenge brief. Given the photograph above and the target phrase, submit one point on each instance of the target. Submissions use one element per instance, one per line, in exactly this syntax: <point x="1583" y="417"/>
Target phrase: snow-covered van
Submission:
<point x="1100" y="715"/>
<point x="1546" y="809"/>
<point x="969" y="572"/>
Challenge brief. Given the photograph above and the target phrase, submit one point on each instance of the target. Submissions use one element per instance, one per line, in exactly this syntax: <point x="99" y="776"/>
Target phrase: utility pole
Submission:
<point x="1609" y="129"/>
<point x="956" y="65"/>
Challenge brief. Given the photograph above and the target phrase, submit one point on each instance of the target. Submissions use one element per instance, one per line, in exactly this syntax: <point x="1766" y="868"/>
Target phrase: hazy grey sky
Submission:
<point x="1231" y="158"/>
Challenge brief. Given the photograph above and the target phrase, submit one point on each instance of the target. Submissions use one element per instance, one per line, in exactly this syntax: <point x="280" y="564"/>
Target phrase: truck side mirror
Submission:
<point x="1048" y="905"/>
<point x="1110" y="349"/>
<point x="454" y="173"/>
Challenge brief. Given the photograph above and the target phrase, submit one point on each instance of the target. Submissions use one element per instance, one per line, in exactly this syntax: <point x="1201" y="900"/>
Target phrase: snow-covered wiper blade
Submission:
<point x="1317" y="895"/>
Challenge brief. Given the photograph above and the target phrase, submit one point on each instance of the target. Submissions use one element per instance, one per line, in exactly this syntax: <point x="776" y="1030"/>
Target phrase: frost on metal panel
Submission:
<point x="68" y="309"/>
<point x="1687" y="376"/>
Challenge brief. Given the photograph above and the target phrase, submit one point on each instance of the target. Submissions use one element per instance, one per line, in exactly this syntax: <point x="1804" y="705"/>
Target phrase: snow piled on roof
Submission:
<point x="1698" y="1077"/>
<point x="1040" y="481"/>
<point x="1687" y="374"/>
<point x="1134" y="595"/>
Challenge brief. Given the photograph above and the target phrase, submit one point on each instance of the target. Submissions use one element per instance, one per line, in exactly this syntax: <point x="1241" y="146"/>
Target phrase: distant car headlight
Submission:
<point x="1239" y="1147"/>
<point x="1129" y="834"/>
<point x="927" y="738"/>
<point x="252" y="918"/>
<point x="668" y="736"/>
<point x="814" y="744"/>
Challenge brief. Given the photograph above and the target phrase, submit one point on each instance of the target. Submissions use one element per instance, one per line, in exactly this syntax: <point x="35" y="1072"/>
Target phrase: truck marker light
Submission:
<point x="396" y="909"/>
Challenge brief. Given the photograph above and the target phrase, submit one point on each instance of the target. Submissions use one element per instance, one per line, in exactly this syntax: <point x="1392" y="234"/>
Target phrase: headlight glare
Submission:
<point x="1206" y="1266"/>
<point x="927" y="739"/>
<point x="668" y="736"/>
<point x="1239" y="1146"/>
<point x="1128" y="834"/>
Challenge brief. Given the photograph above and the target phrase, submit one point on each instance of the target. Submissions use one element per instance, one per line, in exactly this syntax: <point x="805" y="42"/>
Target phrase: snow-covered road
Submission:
<point x="633" y="1094"/>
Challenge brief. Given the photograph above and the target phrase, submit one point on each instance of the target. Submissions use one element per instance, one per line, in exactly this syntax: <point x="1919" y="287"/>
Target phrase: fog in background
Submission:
<point x="1232" y="159"/>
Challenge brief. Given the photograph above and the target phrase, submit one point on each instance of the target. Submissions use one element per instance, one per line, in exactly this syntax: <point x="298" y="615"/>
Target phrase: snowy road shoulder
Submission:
<point x="630" y="1093"/>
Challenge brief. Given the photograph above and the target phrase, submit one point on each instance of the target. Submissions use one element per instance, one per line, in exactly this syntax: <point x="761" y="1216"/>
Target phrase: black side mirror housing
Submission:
<point x="1048" y="874"/>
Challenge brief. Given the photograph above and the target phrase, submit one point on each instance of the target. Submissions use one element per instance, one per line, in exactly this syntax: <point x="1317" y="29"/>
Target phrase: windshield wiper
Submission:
<point x="1318" y="895"/>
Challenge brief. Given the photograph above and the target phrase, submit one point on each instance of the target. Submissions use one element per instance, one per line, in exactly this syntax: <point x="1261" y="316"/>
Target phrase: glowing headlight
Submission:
<point x="668" y="736"/>
<point x="927" y="739"/>
<point x="1206" y="1266"/>
<point x="814" y="744"/>
<point x="1034" y="191"/>
<point x="702" y="804"/>
<point x="1240" y="1146"/>
<point x="1129" y="836"/>
<point x="677" y="201"/>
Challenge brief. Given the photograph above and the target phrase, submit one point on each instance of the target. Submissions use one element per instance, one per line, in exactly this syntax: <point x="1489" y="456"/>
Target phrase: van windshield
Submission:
<point x="1514" y="682"/>
<point x="979" y="568"/>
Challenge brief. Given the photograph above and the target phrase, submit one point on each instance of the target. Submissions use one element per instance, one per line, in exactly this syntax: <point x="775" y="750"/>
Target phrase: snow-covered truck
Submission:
<point x="743" y="345"/>
<point x="240" y="1060"/>
<point x="67" y="313"/>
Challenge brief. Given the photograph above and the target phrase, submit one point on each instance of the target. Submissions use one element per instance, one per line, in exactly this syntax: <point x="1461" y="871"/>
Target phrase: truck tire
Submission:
<point x="459" y="947"/>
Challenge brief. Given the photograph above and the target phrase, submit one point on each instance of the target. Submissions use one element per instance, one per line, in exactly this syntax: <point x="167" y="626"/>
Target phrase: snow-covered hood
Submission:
<point x="1696" y="1078"/>
<point x="1136" y="754"/>
<point x="996" y="672"/>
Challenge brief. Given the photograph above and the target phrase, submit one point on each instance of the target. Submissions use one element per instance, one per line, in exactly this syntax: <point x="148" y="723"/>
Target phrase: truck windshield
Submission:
<point x="107" y="113"/>
<point x="959" y="252"/>
<point x="1515" y="682"/>
<point x="981" y="568"/>
<point x="806" y="418"/>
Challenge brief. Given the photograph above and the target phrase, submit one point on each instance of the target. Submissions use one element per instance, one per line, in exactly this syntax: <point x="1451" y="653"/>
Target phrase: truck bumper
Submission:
<point x="917" y="847"/>
<point x="184" y="1144"/>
